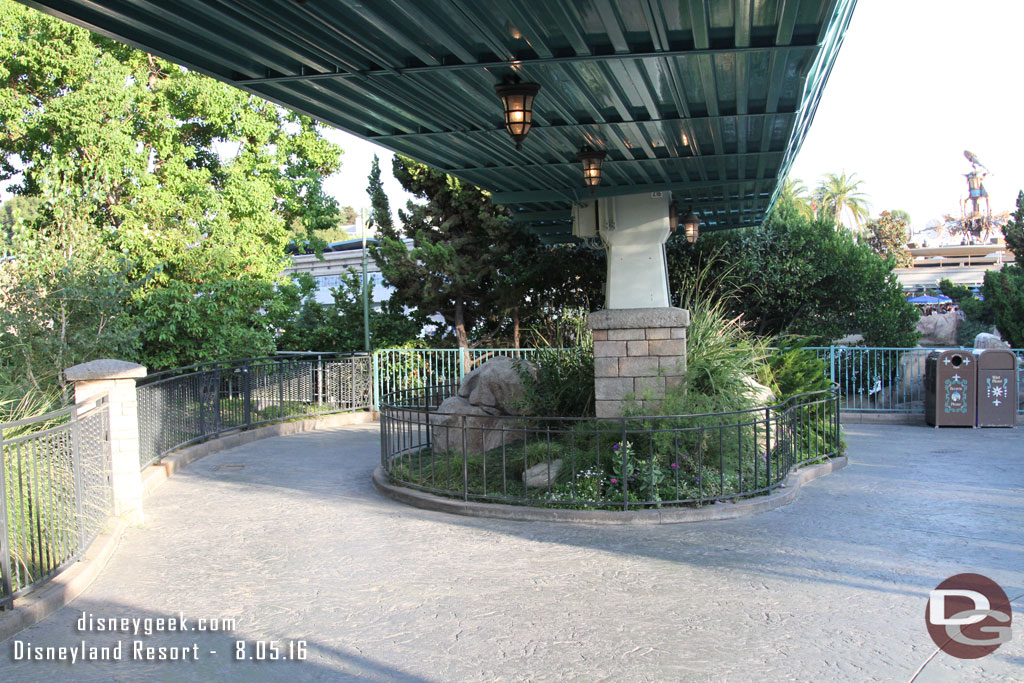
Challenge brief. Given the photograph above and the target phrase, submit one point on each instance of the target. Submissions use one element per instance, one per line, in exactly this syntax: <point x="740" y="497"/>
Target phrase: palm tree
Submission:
<point x="838" y="193"/>
<point x="796" y="193"/>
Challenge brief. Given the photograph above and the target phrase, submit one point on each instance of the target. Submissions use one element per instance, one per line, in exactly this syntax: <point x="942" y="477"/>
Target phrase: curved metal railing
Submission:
<point x="185" y="405"/>
<point x="55" y="492"/>
<point x="623" y="463"/>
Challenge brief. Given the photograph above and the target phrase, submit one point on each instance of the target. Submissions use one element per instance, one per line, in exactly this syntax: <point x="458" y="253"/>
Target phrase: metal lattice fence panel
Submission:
<point x="55" y="492"/>
<point x="186" y="405"/>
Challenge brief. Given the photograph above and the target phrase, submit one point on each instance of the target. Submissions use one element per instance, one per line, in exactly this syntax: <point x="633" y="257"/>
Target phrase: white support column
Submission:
<point x="634" y="229"/>
<point x="117" y="379"/>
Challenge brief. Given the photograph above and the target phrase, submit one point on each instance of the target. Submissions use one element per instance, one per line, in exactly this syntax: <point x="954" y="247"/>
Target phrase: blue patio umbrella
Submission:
<point x="927" y="299"/>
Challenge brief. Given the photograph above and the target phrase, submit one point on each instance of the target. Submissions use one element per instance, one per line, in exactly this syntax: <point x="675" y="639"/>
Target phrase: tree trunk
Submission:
<point x="460" y="335"/>
<point x="515" y="326"/>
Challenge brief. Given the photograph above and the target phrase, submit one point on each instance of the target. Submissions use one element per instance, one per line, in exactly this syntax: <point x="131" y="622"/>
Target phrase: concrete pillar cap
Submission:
<point x="633" y="318"/>
<point x="104" y="368"/>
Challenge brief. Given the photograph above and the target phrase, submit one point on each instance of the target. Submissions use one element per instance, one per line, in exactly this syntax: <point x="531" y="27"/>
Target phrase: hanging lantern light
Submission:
<point x="592" y="159"/>
<point x="691" y="226"/>
<point x="517" y="100"/>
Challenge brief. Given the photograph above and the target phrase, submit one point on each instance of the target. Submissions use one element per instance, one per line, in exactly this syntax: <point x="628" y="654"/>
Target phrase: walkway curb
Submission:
<point x="677" y="515"/>
<point x="70" y="583"/>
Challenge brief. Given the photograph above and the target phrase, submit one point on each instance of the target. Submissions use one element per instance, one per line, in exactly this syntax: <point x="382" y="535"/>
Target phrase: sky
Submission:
<point x="915" y="84"/>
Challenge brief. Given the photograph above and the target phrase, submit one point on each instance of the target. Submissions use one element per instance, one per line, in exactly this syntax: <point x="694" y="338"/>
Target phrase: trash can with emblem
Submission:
<point x="997" y="388"/>
<point x="951" y="388"/>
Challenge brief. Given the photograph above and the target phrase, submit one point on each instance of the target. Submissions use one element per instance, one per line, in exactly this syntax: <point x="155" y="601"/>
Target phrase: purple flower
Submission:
<point x="674" y="466"/>
<point x="615" y="447"/>
<point x="614" y="480"/>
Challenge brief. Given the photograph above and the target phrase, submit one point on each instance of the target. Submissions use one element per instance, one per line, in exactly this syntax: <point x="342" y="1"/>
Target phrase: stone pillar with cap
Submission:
<point x="638" y="352"/>
<point x="117" y="379"/>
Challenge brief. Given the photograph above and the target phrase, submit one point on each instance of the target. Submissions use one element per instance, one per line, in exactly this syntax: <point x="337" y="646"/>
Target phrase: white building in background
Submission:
<point x="339" y="257"/>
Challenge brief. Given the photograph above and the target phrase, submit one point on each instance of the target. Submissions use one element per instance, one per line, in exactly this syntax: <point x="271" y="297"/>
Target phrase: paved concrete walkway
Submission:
<point x="288" y="537"/>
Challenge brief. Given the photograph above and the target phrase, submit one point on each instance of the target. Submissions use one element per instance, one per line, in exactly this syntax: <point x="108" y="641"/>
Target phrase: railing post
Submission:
<point x="832" y="363"/>
<point x="117" y="379"/>
<point x="767" y="446"/>
<point x="200" y="389"/>
<point x="320" y="380"/>
<point x="465" y="462"/>
<point x="280" y="389"/>
<point x="625" y="465"/>
<point x="5" y="551"/>
<point x="246" y="394"/>
<point x="76" y="467"/>
<point x="375" y="368"/>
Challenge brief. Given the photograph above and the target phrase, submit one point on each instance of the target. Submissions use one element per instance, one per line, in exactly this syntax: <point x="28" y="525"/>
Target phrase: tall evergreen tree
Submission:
<point x="1004" y="289"/>
<point x="467" y="255"/>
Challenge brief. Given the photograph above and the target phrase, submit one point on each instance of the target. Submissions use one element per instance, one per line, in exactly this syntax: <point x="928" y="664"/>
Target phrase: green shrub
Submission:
<point x="559" y="379"/>
<point x="796" y="370"/>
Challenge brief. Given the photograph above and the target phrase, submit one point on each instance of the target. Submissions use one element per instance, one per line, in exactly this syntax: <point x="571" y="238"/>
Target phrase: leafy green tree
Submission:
<point x="189" y="182"/>
<point x="339" y="327"/>
<point x="837" y="194"/>
<point x="803" y="277"/>
<point x="887" y="237"/>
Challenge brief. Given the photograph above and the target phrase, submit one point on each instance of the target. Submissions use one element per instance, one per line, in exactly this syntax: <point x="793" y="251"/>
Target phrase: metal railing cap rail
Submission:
<point x="227" y="364"/>
<point x="94" y="402"/>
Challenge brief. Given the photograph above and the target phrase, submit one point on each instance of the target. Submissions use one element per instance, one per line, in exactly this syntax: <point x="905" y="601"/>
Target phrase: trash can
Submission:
<point x="950" y="388"/>
<point x="997" y="388"/>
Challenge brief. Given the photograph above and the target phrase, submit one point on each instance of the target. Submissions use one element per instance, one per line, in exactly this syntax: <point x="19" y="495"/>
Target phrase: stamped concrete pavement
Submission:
<point x="287" y="537"/>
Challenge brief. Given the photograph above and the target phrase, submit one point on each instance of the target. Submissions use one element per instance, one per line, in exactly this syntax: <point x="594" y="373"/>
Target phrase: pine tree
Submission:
<point x="466" y="252"/>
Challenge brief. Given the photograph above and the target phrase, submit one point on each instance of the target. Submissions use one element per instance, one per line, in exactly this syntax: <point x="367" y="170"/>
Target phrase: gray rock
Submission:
<point x="759" y="394"/>
<point x="541" y="475"/>
<point x="939" y="329"/>
<point x="496" y="383"/>
<point x="984" y="340"/>
<point x="481" y="417"/>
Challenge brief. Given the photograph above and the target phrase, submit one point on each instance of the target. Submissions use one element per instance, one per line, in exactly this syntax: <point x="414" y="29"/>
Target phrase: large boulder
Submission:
<point x="477" y="417"/>
<point x="939" y="329"/>
<point x="984" y="340"/>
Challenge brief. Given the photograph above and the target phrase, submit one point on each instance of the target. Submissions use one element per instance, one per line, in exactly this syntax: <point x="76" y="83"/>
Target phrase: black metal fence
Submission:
<point x="55" y="492"/>
<point x="617" y="463"/>
<point x="186" y="405"/>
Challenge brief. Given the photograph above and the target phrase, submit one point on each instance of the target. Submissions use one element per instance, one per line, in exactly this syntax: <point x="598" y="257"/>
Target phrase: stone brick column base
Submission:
<point x="117" y="378"/>
<point x="638" y="351"/>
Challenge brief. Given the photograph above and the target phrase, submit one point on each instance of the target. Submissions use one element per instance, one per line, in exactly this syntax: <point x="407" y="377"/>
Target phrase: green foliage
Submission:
<point x="795" y="370"/>
<point x="803" y="277"/>
<point x="887" y="237"/>
<point x="182" y="186"/>
<point x="1004" y="289"/>
<point x="339" y="327"/>
<point x="471" y="264"/>
<point x="558" y="380"/>
<point x="837" y="194"/>
<point x="57" y="309"/>
<point x="462" y="243"/>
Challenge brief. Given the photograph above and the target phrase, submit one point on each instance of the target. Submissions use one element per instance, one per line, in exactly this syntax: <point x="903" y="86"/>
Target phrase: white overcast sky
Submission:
<point x="916" y="83"/>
